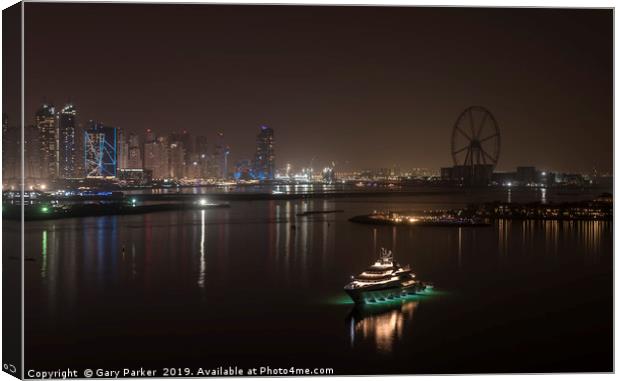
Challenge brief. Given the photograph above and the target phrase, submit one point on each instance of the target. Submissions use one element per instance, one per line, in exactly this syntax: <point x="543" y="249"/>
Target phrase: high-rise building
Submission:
<point x="45" y="121"/>
<point x="192" y="167"/>
<point x="156" y="158"/>
<point x="243" y="170"/>
<point x="225" y="155"/>
<point x="216" y="161"/>
<point x="202" y="155"/>
<point x="264" y="160"/>
<point x="122" y="149"/>
<point x="67" y="142"/>
<point x="149" y="136"/>
<point x="134" y="159"/>
<point x="179" y="157"/>
<point x="188" y="145"/>
<point x="100" y="155"/>
<point x="177" y="162"/>
<point x="32" y="166"/>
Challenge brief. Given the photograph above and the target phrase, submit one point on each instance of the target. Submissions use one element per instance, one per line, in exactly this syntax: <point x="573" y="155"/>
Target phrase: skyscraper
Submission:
<point x="216" y="161"/>
<point x="177" y="151"/>
<point x="156" y="158"/>
<point x="225" y="154"/>
<point x="32" y="166"/>
<point x="134" y="159"/>
<point x="67" y="142"/>
<point x="188" y="145"/>
<point x="122" y="149"/>
<point x="201" y="154"/>
<point x="264" y="160"/>
<point x="100" y="144"/>
<point x="149" y="136"/>
<point x="45" y="121"/>
<point x="177" y="163"/>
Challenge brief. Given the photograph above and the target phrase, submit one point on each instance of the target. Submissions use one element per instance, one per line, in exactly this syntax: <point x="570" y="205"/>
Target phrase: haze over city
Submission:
<point x="363" y="87"/>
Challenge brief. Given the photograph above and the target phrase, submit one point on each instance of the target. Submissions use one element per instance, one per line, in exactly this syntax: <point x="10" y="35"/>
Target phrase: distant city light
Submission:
<point x="202" y="201"/>
<point x="45" y="209"/>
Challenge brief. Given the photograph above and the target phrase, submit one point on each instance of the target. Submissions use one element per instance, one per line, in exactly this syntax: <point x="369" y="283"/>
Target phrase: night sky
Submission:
<point x="366" y="87"/>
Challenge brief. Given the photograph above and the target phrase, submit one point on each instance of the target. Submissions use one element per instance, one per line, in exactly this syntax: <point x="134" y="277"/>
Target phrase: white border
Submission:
<point x="484" y="3"/>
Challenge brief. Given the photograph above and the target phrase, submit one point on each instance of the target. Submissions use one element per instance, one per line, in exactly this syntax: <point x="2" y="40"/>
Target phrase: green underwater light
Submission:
<point x="428" y="294"/>
<point x="340" y="299"/>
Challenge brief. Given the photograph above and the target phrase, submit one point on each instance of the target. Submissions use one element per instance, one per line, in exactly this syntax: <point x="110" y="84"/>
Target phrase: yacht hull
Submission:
<point x="372" y="295"/>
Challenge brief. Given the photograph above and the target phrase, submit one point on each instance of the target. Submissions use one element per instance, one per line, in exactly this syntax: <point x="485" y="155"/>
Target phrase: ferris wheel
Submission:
<point x="475" y="138"/>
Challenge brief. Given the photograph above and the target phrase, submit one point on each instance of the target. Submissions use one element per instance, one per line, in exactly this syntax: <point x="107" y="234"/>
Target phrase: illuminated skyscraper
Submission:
<point x="177" y="163"/>
<point x="122" y="149"/>
<point x="100" y="143"/>
<point x="156" y="158"/>
<point x="32" y="166"/>
<point x="216" y="161"/>
<point x="134" y="159"/>
<point x="201" y="155"/>
<point x="67" y="142"/>
<point x="188" y="145"/>
<point x="149" y="136"/>
<point x="264" y="161"/>
<point x="225" y="154"/>
<point x="45" y="121"/>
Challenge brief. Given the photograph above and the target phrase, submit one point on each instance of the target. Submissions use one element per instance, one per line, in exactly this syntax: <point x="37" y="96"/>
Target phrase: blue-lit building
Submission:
<point x="244" y="170"/>
<point x="264" y="161"/>
<point x="100" y="142"/>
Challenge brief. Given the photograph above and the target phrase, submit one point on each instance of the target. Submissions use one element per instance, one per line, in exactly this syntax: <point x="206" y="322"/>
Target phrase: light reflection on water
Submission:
<point x="207" y="263"/>
<point x="295" y="244"/>
<point x="380" y="326"/>
<point x="203" y="265"/>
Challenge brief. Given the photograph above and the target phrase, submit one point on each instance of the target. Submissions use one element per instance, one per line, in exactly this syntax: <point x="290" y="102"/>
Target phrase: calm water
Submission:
<point x="243" y="287"/>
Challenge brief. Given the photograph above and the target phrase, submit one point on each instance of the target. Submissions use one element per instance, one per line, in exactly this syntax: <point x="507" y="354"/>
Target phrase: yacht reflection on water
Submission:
<point x="380" y="324"/>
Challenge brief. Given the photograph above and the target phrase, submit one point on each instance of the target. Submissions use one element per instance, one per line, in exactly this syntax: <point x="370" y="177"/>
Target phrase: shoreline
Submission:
<point x="368" y="220"/>
<point x="37" y="213"/>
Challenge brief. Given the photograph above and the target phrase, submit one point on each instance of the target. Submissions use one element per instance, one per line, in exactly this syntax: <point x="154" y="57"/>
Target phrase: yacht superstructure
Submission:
<point x="384" y="280"/>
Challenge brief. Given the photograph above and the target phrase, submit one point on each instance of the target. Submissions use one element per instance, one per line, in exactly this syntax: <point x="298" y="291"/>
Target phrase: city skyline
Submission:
<point x="388" y="81"/>
<point x="58" y="146"/>
<point x="130" y="142"/>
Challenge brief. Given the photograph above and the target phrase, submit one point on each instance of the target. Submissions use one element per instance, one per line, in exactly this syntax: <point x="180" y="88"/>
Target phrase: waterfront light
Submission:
<point x="202" y="202"/>
<point x="45" y="209"/>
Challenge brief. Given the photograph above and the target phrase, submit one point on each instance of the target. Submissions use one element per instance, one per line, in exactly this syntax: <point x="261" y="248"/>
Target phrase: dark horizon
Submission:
<point x="362" y="86"/>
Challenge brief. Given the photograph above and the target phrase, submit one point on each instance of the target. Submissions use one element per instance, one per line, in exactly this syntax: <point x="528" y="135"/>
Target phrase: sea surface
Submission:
<point x="255" y="285"/>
